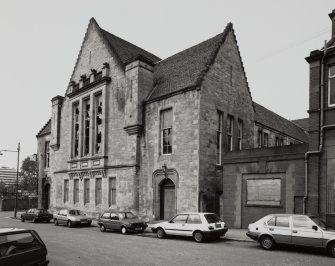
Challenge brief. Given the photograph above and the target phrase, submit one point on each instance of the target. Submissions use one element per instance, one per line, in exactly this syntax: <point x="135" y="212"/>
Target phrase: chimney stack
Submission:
<point x="332" y="17"/>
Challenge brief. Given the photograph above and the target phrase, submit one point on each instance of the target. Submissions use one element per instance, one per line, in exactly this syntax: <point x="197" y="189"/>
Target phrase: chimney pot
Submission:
<point x="332" y="17"/>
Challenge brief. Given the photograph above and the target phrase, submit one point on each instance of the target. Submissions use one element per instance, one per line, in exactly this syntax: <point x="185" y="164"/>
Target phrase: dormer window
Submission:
<point x="331" y="86"/>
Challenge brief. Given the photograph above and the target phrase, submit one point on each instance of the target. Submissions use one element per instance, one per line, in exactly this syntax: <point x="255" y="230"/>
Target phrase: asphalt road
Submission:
<point x="88" y="246"/>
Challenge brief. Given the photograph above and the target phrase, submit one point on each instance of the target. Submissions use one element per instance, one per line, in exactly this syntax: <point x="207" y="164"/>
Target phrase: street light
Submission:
<point x="17" y="173"/>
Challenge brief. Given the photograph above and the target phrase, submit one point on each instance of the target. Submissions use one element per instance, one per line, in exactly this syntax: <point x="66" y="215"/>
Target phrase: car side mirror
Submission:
<point x="315" y="227"/>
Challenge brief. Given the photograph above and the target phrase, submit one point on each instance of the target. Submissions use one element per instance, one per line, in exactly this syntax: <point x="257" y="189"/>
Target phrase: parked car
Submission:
<point x="124" y="221"/>
<point x="21" y="247"/>
<point x="292" y="229"/>
<point x="199" y="225"/>
<point x="37" y="215"/>
<point x="71" y="218"/>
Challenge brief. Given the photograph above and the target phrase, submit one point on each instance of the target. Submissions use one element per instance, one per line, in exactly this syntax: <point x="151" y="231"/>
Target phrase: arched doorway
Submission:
<point x="167" y="199"/>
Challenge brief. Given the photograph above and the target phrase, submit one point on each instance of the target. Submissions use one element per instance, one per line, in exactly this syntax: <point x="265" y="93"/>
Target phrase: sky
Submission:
<point x="40" y="41"/>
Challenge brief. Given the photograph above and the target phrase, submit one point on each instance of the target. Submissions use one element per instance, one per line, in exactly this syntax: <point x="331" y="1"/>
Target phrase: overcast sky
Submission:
<point x="40" y="41"/>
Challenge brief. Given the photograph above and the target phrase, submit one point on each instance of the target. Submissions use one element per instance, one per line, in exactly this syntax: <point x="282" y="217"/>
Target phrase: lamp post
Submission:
<point x="17" y="173"/>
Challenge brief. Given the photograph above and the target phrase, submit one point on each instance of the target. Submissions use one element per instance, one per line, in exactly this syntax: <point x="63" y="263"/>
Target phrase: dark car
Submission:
<point x="123" y="221"/>
<point x="21" y="247"/>
<point x="36" y="215"/>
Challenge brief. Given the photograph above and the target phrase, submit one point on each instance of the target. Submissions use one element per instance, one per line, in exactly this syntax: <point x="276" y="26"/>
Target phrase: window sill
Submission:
<point x="263" y="206"/>
<point x="94" y="157"/>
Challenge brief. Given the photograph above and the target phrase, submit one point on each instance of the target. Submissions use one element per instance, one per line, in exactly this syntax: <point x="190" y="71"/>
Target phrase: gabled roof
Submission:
<point x="278" y="123"/>
<point x="187" y="68"/>
<point x="46" y="129"/>
<point x="127" y="51"/>
<point x="302" y="123"/>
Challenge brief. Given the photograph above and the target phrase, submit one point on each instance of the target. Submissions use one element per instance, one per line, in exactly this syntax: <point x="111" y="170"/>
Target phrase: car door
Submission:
<point x="105" y="219"/>
<point x="62" y="216"/>
<point x="280" y="228"/>
<point x="303" y="232"/>
<point x="176" y="226"/>
<point x="114" y="221"/>
<point x="193" y="223"/>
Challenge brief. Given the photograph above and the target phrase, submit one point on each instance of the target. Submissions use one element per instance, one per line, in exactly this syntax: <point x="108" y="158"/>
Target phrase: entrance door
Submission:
<point x="167" y="200"/>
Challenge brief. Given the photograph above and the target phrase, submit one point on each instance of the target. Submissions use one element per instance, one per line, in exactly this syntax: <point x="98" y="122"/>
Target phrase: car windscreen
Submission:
<point x="212" y="218"/>
<point x="130" y="215"/>
<point x="319" y="222"/>
<point x="75" y="212"/>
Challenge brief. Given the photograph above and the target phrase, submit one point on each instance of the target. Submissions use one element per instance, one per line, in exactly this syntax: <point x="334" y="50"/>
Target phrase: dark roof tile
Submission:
<point x="46" y="129"/>
<point x="302" y="123"/>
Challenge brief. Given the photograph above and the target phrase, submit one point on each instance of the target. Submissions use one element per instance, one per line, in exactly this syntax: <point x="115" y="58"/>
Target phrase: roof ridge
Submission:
<point x="45" y="125"/>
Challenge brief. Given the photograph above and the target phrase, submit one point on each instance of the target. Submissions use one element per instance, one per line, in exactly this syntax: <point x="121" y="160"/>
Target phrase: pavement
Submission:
<point x="232" y="234"/>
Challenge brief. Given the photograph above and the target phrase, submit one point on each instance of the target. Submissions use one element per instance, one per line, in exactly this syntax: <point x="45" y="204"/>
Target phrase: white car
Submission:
<point x="292" y="229"/>
<point x="199" y="225"/>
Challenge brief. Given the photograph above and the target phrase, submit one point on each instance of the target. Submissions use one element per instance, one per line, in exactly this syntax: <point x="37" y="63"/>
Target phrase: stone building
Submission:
<point x="149" y="135"/>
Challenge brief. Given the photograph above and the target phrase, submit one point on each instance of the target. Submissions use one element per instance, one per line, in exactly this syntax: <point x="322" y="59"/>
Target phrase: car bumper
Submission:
<point x="216" y="233"/>
<point x="81" y="222"/>
<point x="137" y="228"/>
<point x="252" y="235"/>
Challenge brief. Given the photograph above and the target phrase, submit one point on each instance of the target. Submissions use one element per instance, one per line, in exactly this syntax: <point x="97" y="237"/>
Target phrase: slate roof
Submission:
<point x="278" y="123"/>
<point x="303" y="123"/>
<point x="46" y="129"/>
<point x="126" y="50"/>
<point x="187" y="68"/>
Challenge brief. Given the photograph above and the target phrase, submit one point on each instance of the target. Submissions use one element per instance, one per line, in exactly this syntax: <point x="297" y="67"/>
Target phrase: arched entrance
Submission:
<point x="167" y="199"/>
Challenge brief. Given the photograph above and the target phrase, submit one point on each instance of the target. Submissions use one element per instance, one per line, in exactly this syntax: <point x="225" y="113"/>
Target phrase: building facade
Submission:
<point x="8" y="176"/>
<point x="152" y="136"/>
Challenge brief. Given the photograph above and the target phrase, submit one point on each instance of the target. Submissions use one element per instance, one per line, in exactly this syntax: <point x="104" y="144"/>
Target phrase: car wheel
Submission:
<point x="56" y="222"/>
<point x="69" y="224"/>
<point x="89" y="224"/>
<point x="160" y="233"/>
<point x="267" y="242"/>
<point x="331" y="249"/>
<point x="22" y="219"/>
<point x="102" y="228"/>
<point x="198" y="237"/>
<point x="124" y="230"/>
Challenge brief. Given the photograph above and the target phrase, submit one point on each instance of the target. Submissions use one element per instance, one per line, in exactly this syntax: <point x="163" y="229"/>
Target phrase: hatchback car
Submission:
<point x="71" y="218"/>
<point x="124" y="221"/>
<point x="199" y="225"/>
<point x="292" y="229"/>
<point x="36" y="215"/>
<point x="21" y="247"/>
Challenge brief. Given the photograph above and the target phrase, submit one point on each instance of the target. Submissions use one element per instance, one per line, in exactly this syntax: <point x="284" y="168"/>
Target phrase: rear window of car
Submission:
<point x="212" y="218"/>
<point x="42" y="211"/>
<point x="74" y="212"/>
<point x="17" y="243"/>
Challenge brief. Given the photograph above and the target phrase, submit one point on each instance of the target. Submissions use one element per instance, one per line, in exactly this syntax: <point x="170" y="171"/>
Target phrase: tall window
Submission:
<point x="230" y="133"/>
<point x="266" y="139"/>
<point x="240" y="134"/>
<point x="112" y="191"/>
<point x="260" y="138"/>
<point x="277" y="141"/>
<point x="86" y="110"/>
<point x="75" y="122"/>
<point x="66" y="191"/>
<point x="166" y="131"/>
<point x="98" y="192"/>
<point x="75" y="190"/>
<point x="331" y="86"/>
<point x="219" y="137"/>
<point x="282" y="142"/>
<point x="98" y="123"/>
<point x="47" y="154"/>
<point x="86" y="190"/>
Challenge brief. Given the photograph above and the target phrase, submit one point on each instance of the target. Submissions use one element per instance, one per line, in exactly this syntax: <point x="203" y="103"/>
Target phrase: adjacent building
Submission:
<point x="8" y="176"/>
<point x="154" y="136"/>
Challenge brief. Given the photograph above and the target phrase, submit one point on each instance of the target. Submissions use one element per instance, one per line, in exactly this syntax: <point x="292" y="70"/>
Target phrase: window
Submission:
<point x="331" y="86"/>
<point x="98" y="123"/>
<point x="75" y="125"/>
<point x="302" y="222"/>
<point x="66" y="191"/>
<point x="230" y="133"/>
<point x="266" y="140"/>
<point x="114" y="216"/>
<point x="106" y="215"/>
<point x="240" y="134"/>
<point x="272" y="221"/>
<point x="264" y="191"/>
<point x="112" y="191"/>
<point x="86" y="111"/>
<point x="277" y="141"/>
<point x="86" y="191"/>
<point x="212" y="218"/>
<point x="283" y="221"/>
<point x="282" y="142"/>
<point x="166" y="131"/>
<point x="46" y="154"/>
<point x="98" y="191"/>
<point x="194" y="219"/>
<point x="219" y="137"/>
<point x="260" y="138"/>
<point x="180" y="219"/>
<point x="75" y="190"/>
